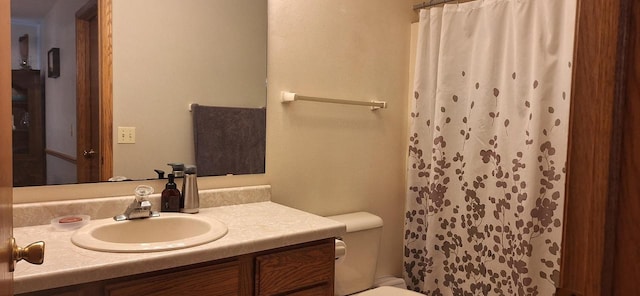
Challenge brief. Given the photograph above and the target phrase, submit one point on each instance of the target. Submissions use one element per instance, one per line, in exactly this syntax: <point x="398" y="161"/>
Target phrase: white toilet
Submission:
<point x="355" y="273"/>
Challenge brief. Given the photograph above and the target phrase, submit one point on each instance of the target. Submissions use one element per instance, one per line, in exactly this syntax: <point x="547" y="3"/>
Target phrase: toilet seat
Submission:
<point x="388" y="291"/>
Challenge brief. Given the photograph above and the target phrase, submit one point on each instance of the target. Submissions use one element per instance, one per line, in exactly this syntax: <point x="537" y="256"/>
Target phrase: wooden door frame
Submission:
<point x="83" y="92"/>
<point x="593" y="168"/>
<point x="6" y="133"/>
<point x="105" y="149"/>
<point x="105" y="51"/>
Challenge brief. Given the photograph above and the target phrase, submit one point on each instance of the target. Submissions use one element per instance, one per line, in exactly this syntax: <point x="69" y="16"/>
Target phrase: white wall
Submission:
<point x="60" y="171"/>
<point x="331" y="159"/>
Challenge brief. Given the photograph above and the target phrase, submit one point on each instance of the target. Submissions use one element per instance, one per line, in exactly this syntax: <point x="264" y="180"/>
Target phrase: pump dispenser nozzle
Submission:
<point x="177" y="169"/>
<point x="160" y="173"/>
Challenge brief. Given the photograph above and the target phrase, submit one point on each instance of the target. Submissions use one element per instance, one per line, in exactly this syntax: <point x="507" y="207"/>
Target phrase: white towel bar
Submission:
<point x="290" y="97"/>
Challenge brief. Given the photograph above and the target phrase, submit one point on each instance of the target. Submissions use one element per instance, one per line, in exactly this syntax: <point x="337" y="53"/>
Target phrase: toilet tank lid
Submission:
<point x="358" y="221"/>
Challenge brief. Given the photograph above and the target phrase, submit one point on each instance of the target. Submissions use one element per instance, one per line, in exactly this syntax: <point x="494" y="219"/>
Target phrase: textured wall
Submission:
<point x="331" y="159"/>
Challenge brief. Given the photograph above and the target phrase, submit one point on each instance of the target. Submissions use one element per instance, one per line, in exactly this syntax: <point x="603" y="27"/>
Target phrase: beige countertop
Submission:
<point x="252" y="227"/>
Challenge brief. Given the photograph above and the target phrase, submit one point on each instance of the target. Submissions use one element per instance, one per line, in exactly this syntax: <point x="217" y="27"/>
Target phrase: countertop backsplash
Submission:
<point x="41" y="213"/>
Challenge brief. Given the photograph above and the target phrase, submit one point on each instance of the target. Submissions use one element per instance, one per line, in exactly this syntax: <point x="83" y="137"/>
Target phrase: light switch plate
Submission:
<point x="126" y="135"/>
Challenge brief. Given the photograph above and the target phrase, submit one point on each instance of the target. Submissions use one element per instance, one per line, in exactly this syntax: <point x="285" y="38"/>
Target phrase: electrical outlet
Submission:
<point x="126" y="135"/>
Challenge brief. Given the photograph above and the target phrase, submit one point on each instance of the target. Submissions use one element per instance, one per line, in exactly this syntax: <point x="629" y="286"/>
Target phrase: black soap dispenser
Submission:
<point x="170" y="198"/>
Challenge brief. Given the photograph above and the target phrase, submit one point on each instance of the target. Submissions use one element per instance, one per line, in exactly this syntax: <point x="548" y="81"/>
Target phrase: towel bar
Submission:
<point x="290" y="97"/>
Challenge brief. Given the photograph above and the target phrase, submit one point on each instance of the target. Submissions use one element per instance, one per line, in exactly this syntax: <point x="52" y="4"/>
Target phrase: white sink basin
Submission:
<point x="169" y="231"/>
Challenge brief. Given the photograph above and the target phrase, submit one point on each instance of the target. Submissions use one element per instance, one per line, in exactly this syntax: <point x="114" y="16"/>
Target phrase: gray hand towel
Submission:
<point x="229" y="140"/>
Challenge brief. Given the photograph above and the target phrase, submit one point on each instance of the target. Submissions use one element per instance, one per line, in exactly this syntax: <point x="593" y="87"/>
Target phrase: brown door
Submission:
<point x="600" y="252"/>
<point x="6" y="176"/>
<point x="626" y="263"/>
<point x="88" y="103"/>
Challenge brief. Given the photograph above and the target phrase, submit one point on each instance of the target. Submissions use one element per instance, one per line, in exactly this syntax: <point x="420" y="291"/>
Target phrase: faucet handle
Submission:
<point x="142" y="192"/>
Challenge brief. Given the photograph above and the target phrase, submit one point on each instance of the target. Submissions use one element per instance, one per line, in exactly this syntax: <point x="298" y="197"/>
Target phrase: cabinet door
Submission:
<point x="304" y="271"/>
<point x="216" y="280"/>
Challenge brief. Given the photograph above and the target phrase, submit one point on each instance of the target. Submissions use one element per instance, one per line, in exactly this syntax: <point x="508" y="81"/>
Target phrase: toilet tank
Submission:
<point x="357" y="271"/>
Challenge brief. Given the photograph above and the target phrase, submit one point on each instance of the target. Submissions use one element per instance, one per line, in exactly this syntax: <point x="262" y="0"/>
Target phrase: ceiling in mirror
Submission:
<point x="167" y="55"/>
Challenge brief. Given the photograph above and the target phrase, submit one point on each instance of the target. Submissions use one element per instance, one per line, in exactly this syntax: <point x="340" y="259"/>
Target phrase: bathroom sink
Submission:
<point x="169" y="231"/>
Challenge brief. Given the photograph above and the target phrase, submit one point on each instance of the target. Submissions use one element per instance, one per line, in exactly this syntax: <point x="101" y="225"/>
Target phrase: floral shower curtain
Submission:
<point x="487" y="153"/>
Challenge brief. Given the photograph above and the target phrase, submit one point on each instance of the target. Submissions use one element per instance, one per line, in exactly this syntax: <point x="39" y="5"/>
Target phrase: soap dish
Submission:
<point x="70" y="222"/>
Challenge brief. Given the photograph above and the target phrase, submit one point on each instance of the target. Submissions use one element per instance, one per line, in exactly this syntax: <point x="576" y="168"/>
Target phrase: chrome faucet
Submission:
<point x="140" y="207"/>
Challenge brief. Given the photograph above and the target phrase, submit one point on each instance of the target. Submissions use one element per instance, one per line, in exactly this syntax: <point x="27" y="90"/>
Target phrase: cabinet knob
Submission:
<point x="33" y="253"/>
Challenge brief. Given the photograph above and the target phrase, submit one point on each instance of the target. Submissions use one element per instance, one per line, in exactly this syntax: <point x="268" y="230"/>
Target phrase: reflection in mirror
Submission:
<point x="166" y="55"/>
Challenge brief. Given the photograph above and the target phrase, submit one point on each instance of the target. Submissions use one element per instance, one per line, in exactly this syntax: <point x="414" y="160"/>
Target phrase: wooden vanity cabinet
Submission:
<point x="212" y="278"/>
<point x="220" y="280"/>
<point x="301" y="270"/>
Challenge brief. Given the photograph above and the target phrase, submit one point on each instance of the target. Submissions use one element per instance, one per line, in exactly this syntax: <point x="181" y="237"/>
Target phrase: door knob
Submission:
<point x="33" y="253"/>
<point x="89" y="154"/>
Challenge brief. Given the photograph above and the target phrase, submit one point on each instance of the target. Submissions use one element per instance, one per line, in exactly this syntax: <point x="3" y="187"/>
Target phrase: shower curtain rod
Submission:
<point x="430" y="3"/>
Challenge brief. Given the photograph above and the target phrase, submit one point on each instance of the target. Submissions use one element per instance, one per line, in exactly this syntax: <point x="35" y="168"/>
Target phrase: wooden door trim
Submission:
<point x="83" y="91"/>
<point x="6" y="134"/>
<point x="105" y="91"/>
<point x="106" y="87"/>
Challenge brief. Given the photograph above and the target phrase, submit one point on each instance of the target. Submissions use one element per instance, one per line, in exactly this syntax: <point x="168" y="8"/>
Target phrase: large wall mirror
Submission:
<point x="164" y="56"/>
